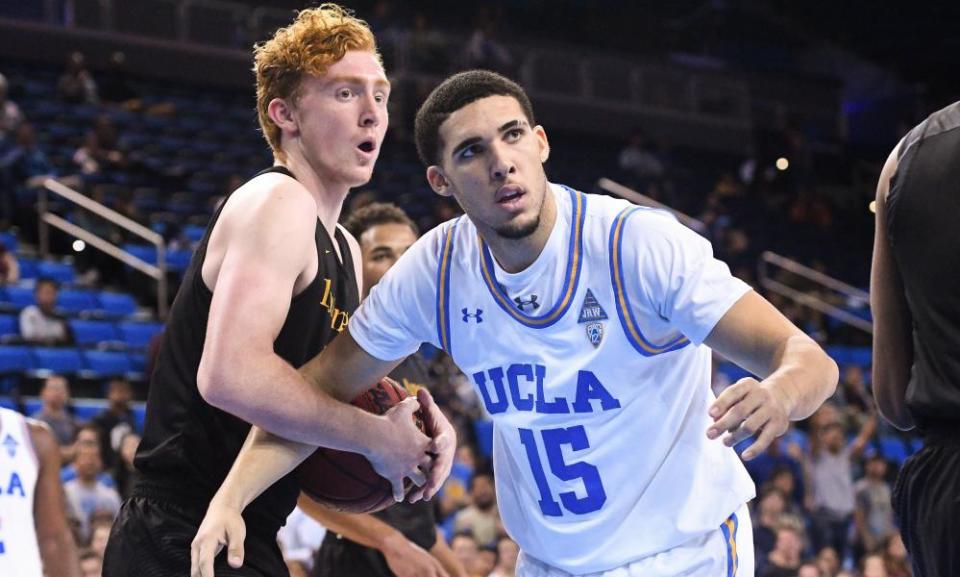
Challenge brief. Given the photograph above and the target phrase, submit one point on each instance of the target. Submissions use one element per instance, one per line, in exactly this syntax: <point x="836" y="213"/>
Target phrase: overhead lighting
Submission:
<point x="783" y="163"/>
<point x="79" y="245"/>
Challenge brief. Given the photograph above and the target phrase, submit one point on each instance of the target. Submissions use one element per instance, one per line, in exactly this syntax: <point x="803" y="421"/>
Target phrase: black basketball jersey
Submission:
<point x="923" y="206"/>
<point x="188" y="445"/>
<point x="341" y="556"/>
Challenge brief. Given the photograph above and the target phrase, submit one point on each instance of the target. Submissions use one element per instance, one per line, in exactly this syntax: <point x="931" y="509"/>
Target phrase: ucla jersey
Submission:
<point x="19" y="468"/>
<point x="599" y="394"/>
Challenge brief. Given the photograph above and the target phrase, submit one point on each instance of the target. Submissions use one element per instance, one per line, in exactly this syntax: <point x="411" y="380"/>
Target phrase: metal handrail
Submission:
<point x="811" y="300"/>
<point x="157" y="272"/>
<point x="643" y="200"/>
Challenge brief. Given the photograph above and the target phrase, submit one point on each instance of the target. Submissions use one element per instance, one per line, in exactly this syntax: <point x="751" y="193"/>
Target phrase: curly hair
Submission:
<point x="317" y="38"/>
<point x="377" y="213"/>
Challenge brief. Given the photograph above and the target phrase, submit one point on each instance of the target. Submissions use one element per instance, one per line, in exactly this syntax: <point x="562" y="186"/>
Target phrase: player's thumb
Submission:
<point x="408" y="406"/>
<point x="236" y="533"/>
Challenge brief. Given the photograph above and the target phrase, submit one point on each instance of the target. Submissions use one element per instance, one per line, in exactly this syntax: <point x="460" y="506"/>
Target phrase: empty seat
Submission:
<point x="107" y="363"/>
<point x="9" y="326"/>
<point x="15" y="359"/>
<point x="59" y="272"/>
<point x="65" y="361"/>
<point x="88" y="333"/>
<point x="138" y="335"/>
<point x="73" y="301"/>
<point x="117" y="304"/>
<point x="19" y="297"/>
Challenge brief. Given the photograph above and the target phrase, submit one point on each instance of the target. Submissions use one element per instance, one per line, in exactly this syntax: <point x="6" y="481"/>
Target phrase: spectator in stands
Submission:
<point x="9" y="267"/>
<point x="784" y="560"/>
<point x="91" y="564"/>
<point x="25" y="163"/>
<point x="852" y="394"/>
<point x="831" y="472"/>
<point x="507" y="553"/>
<point x="828" y="562"/>
<point x="465" y="549"/>
<point x="873" y="516"/>
<point x="101" y="150"/>
<point x="76" y="85"/>
<point x="809" y="569"/>
<point x="39" y="323"/>
<point x="54" y="397"/>
<point x="99" y="533"/>
<point x="873" y="566"/>
<point x="481" y="518"/>
<point x="767" y="520"/>
<point x="87" y="494"/>
<point x="483" y="50"/>
<point x="895" y="557"/>
<point x="124" y="472"/>
<point x="117" y="420"/>
<point x="10" y="115"/>
<point x="487" y="558"/>
<point x="88" y="435"/>
<point x="639" y="161"/>
<point x="115" y="84"/>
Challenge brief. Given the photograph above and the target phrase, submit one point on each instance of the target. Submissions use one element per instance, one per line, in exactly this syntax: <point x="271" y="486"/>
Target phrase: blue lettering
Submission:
<point x="496" y="375"/>
<point x="589" y="388"/>
<point x="513" y="377"/>
<point x="16" y="484"/>
<point x="557" y="406"/>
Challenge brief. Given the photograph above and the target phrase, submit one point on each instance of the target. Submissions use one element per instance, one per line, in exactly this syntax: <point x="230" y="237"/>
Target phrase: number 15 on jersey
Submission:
<point x="553" y="441"/>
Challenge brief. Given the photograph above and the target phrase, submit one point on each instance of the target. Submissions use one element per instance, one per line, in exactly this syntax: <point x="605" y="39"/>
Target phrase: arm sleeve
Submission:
<point x="400" y="312"/>
<point x="671" y="269"/>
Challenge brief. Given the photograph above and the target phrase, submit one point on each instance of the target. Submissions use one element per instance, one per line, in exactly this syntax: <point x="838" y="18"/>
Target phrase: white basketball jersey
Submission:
<point x="598" y="390"/>
<point x="19" y="468"/>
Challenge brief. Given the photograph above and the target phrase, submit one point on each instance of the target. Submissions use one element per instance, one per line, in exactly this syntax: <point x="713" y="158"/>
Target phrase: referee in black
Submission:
<point x="915" y="296"/>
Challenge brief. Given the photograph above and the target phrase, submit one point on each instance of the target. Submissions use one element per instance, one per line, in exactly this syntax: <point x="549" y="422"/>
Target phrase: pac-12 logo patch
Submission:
<point x="592" y="313"/>
<point x="595" y="333"/>
<point x="11" y="445"/>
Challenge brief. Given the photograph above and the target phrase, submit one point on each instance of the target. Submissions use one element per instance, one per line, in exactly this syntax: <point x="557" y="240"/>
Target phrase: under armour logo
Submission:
<point x="521" y="304"/>
<point x="467" y="315"/>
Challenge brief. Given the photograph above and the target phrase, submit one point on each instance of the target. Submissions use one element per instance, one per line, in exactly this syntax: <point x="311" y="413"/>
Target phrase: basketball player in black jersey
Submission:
<point x="915" y="296"/>
<point x="272" y="282"/>
<point x="403" y="539"/>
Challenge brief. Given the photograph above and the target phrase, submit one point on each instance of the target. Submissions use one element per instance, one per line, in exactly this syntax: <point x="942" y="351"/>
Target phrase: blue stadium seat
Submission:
<point x="74" y="301"/>
<point x="19" y="296"/>
<point x="9" y="240"/>
<point x="65" y="361"/>
<point x="59" y="272"/>
<point x="29" y="268"/>
<point x="138" y="335"/>
<point x="107" y="362"/>
<point x="138" y="362"/>
<point x="117" y="304"/>
<point x="9" y="325"/>
<point x="87" y="333"/>
<point x="894" y="449"/>
<point x="15" y="359"/>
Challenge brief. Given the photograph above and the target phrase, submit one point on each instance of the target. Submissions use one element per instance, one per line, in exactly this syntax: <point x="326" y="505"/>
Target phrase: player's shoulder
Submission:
<point x="636" y="220"/>
<point x="448" y="236"/>
<point x="271" y="196"/>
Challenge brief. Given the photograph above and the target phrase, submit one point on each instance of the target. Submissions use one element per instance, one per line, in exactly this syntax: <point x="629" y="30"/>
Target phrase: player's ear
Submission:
<point x="542" y="142"/>
<point x="438" y="182"/>
<point x="283" y="115"/>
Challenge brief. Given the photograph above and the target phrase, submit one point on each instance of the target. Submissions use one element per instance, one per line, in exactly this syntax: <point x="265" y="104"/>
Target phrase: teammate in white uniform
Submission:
<point x="581" y="320"/>
<point x="34" y="535"/>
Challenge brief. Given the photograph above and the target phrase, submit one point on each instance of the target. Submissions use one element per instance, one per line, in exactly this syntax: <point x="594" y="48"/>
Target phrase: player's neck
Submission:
<point x="516" y="254"/>
<point x="328" y="196"/>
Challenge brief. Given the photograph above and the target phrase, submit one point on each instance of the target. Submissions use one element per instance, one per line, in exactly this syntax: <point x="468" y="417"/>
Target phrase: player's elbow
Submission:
<point x="832" y="371"/>
<point x="215" y="379"/>
<point x="892" y="407"/>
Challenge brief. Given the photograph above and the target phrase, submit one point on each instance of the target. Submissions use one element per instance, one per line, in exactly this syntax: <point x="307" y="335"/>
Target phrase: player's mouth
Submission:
<point x="368" y="147"/>
<point x="509" y="196"/>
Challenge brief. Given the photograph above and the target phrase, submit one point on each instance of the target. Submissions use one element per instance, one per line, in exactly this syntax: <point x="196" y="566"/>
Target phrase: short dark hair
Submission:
<point x="375" y="213"/>
<point x="453" y="94"/>
<point x="45" y="280"/>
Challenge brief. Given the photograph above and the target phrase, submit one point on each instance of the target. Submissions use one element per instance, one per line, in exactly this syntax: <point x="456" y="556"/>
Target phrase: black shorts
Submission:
<point x="151" y="538"/>
<point x="926" y="501"/>
<point x="343" y="558"/>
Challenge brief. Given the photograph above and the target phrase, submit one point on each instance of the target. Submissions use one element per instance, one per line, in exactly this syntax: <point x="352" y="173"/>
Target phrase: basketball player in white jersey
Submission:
<point x="586" y="324"/>
<point x="35" y="539"/>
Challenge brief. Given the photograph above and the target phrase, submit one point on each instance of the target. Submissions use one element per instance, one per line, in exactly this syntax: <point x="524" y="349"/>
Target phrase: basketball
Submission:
<point x="346" y="481"/>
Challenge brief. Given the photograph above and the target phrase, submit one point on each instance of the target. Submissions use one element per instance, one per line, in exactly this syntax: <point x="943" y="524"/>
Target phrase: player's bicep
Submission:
<point x="253" y="291"/>
<point x="344" y="369"/>
<point x="753" y="334"/>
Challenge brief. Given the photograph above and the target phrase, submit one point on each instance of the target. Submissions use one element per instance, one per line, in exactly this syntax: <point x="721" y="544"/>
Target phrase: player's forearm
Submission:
<point x="805" y="376"/>
<point x="272" y="395"/>
<point x="364" y="529"/>
<point x="264" y="459"/>
<point x="59" y="554"/>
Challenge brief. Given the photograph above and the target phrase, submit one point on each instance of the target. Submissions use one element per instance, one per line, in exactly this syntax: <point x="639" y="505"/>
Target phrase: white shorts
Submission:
<point x="726" y="552"/>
